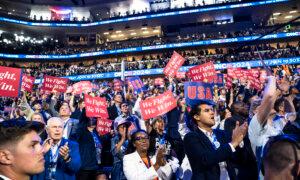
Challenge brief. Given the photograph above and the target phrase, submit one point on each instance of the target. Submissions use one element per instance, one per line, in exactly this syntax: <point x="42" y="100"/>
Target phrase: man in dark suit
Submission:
<point x="208" y="150"/>
<point x="115" y="110"/>
<point x="247" y="166"/>
<point x="21" y="153"/>
<point x="62" y="157"/>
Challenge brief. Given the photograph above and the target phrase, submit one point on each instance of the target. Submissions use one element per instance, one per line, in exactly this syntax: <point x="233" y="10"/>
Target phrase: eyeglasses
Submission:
<point x="141" y="138"/>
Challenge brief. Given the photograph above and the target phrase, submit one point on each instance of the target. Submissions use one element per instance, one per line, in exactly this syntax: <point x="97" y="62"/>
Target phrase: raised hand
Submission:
<point x="47" y="145"/>
<point x="64" y="151"/>
<point x="160" y="157"/>
<point x="238" y="134"/>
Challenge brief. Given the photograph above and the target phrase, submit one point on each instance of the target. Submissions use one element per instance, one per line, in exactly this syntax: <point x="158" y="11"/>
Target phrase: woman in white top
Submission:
<point x="139" y="166"/>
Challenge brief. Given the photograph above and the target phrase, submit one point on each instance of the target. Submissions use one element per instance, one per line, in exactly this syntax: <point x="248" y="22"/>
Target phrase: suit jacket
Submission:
<point x="134" y="168"/>
<point x="112" y="112"/>
<point x="64" y="170"/>
<point x="246" y="165"/>
<point x="72" y="125"/>
<point x="204" y="158"/>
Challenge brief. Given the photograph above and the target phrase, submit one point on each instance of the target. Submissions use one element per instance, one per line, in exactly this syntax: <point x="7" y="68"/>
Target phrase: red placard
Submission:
<point x="256" y="84"/>
<point x="228" y="80"/>
<point x="158" y="105"/>
<point x="246" y="73"/>
<point x="103" y="126"/>
<point x="55" y="83"/>
<point x="27" y="83"/>
<point x="159" y="82"/>
<point x="95" y="106"/>
<point x="82" y="87"/>
<point x="204" y="72"/>
<point x="238" y="73"/>
<point x="10" y="81"/>
<point x="174" y="64"/>
<point x="230" y="73"/>
<point x="180" y="75"/>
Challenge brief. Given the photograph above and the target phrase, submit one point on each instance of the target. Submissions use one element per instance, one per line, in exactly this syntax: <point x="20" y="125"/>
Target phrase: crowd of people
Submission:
<point x="162" y="7"/>
<point x="223" y="138"/>
<point x="193" y="57"/>
<point x="59" y="48"/>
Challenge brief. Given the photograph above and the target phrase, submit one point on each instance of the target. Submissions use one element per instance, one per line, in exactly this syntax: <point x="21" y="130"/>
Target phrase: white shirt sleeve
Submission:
<point x="258" y="134"/>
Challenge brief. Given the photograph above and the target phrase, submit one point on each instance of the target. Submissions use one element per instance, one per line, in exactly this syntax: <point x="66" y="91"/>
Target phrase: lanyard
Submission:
<point x="54" y="155"/>
<point x="98" y="147"/>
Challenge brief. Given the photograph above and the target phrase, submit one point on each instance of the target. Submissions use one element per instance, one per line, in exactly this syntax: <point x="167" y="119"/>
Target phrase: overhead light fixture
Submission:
<point x="292" y="12"/>
<point x="145" y="32"/>
<point x="97" y="14"/>
<point x="156" y="31"/>
<point x="121" y="35"/>
<point x="9" y="13"/>
<point x="288" y="17"/>
<point x="106" y="33"/>
<point x="133" y="33"/>
<point x="276" y="14"/>
<point x="113" y="36"/>
<point x="144" y="28"/>
<point x="273" y="18"/>
<point x="14" y="10"/>
<point x="118" y="31"/>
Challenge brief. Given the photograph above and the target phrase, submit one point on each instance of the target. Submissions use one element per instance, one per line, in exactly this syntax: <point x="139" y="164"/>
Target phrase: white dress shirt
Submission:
<point x="4" y="177"/>
<point x="66" y="129"/>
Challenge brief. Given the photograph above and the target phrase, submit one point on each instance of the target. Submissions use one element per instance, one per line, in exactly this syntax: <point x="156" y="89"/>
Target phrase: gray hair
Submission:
<point x="53" y="119"/>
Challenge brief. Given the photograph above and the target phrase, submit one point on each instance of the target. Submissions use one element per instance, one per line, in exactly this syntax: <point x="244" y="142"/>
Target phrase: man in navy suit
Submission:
<point x="70" y="125"/>
<point x="62" y="157"/>
<point x="210" y="151"/>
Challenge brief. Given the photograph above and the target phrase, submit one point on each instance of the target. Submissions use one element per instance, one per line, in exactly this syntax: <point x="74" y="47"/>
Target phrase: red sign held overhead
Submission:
<point x="228" y="80"/>
<point x="158" y="105"/>
<point x="10" y="81"/>
<point x="204" y="72"/>
<point x="103" y="126"/>
<point x="27" y="83"/>
<point x="180" y="75"/>
<point x="55" y="83"/>
<point x="174" y="64"/>
<point x="82" y="87"/>
<point x="95" y="106"/>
